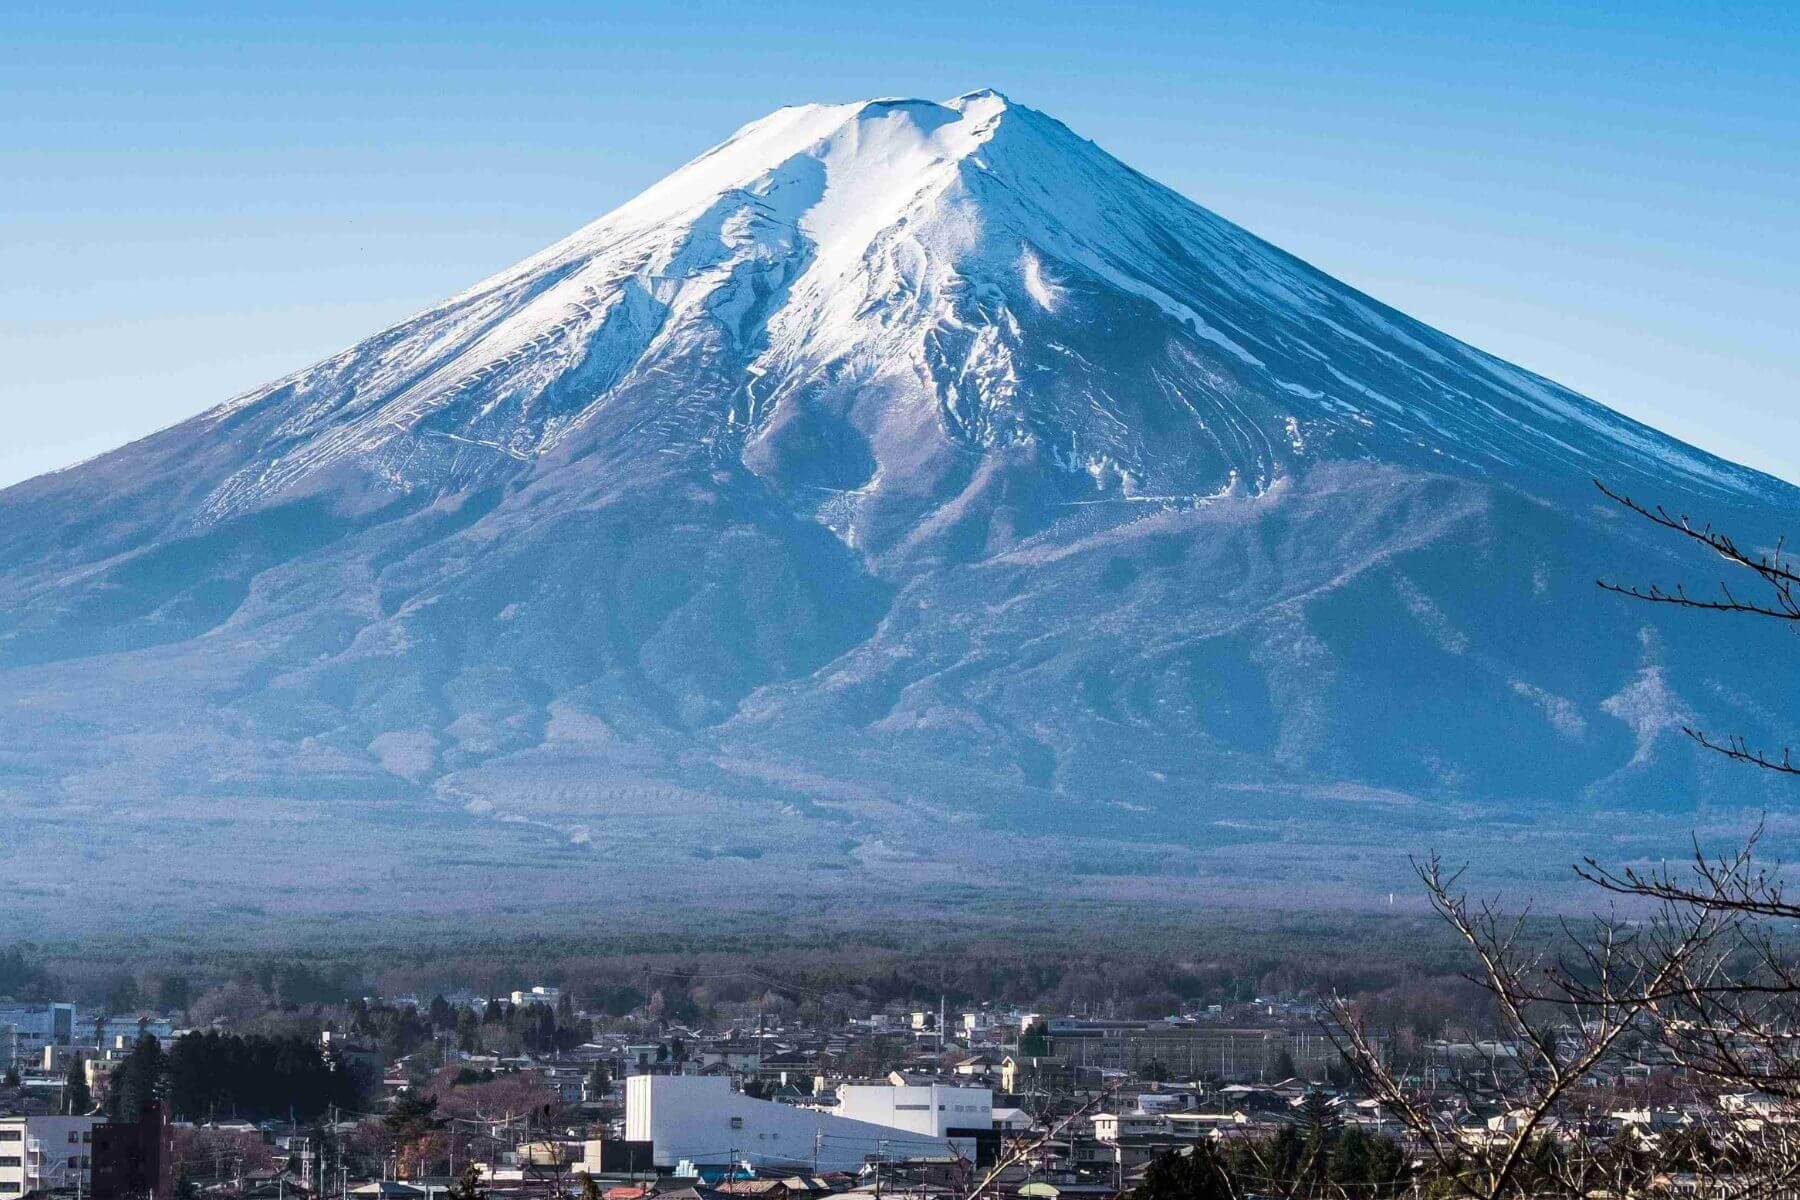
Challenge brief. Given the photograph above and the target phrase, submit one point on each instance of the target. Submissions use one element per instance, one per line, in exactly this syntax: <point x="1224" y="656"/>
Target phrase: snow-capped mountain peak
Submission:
<point x="969" y="272"/>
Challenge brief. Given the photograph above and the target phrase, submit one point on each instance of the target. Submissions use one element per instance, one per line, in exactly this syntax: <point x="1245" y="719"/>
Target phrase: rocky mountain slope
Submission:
<point x="901" y="499"/>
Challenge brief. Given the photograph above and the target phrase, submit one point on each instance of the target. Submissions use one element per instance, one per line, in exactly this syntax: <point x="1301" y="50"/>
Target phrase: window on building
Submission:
<point x="737" y="1122"/>
<point x="10" y="1161"/>
<point x="10" y="1135"/>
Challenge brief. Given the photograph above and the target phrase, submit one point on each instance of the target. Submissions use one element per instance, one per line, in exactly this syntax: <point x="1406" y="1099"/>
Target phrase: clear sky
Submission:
<point x="195" y="200"/>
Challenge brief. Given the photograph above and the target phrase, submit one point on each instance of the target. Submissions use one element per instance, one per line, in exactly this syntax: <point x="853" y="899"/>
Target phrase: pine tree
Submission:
<point x="1319" y="1123"/>
<point x="1286" y="1153"/>
<point x="139" y="1079"/>
<point x="1198" y="1174"/>
<point x="442" y="1017"/>
<point x="77" y="1099"/>
<point x="173" y="994"/>
<point x="468" y="1185"/>
<point x="1281" y="1066"/>
<point x="1319" y="1117"/>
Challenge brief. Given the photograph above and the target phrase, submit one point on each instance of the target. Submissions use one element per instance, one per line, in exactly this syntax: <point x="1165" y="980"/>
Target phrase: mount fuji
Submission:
<point x="902" y="501"/>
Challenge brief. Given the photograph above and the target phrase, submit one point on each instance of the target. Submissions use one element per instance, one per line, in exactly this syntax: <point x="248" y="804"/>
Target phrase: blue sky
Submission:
<point x="195" y="200"/>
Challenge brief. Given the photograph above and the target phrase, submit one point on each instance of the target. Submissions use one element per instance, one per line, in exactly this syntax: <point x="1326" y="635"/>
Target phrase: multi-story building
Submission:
<point x="26" y="1028"/>
<point x="39" y="1153"/>
<point x="103" y="1160"/>
<point x="133" y="1160"/>
<point x="1190" y="1051"/>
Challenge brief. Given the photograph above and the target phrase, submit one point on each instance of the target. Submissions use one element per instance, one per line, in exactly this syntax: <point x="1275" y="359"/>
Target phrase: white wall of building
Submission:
<point x="699" y="1118"/>
<point x="45" y="1152"/>
<point x="931" y="1109"/>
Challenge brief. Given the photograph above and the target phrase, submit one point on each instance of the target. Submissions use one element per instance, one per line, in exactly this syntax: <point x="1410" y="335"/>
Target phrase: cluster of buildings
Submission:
<point x="87" y="1156"/>
<point x="922" y="1103"/>
<point x="44" y="1148"/>
<point x="40" y="1040"/>
<point x="1045" y="1103"/>
<point x="896" y="1099"/>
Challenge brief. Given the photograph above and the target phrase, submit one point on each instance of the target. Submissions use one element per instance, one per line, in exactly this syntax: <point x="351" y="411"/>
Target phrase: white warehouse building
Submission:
<point x="699" y="1119"/>
<point x="933" y="1109"/>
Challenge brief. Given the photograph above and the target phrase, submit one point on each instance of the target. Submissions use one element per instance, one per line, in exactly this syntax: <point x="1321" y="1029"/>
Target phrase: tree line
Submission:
<point x="214" y="1075"/>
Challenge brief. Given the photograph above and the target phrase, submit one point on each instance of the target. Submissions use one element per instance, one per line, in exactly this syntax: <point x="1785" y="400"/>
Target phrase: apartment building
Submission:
<point x="45" y="1152"/>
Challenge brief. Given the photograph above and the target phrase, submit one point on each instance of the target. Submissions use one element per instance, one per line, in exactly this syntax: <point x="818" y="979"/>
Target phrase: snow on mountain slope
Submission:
<point x="982" y="265"/>
<point x="898" y="477"/>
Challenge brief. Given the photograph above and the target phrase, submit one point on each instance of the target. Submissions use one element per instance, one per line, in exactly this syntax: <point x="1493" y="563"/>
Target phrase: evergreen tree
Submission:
<point x="1034" y="1040"/>
<point x="1368" y="1164"/>
<point x="409" y="1121"/>
<point x="124" y="996"/>
<point x="1281" y="1066"/>
<point x="1319" y="1117"/>
<point x="1197" y="1174"/>
<point x="1319" y="1125"/>
<point x="174" y="994"/>
<point x="411" y="1116"/>
<point x="222" y="1074"/>
<point x="442" y="1015"/>
<point x="468" y="1185"/>
<point x="139" y="1078"/>
<point x="77" y="1100"/>
<point x="1286" y="1152"/>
